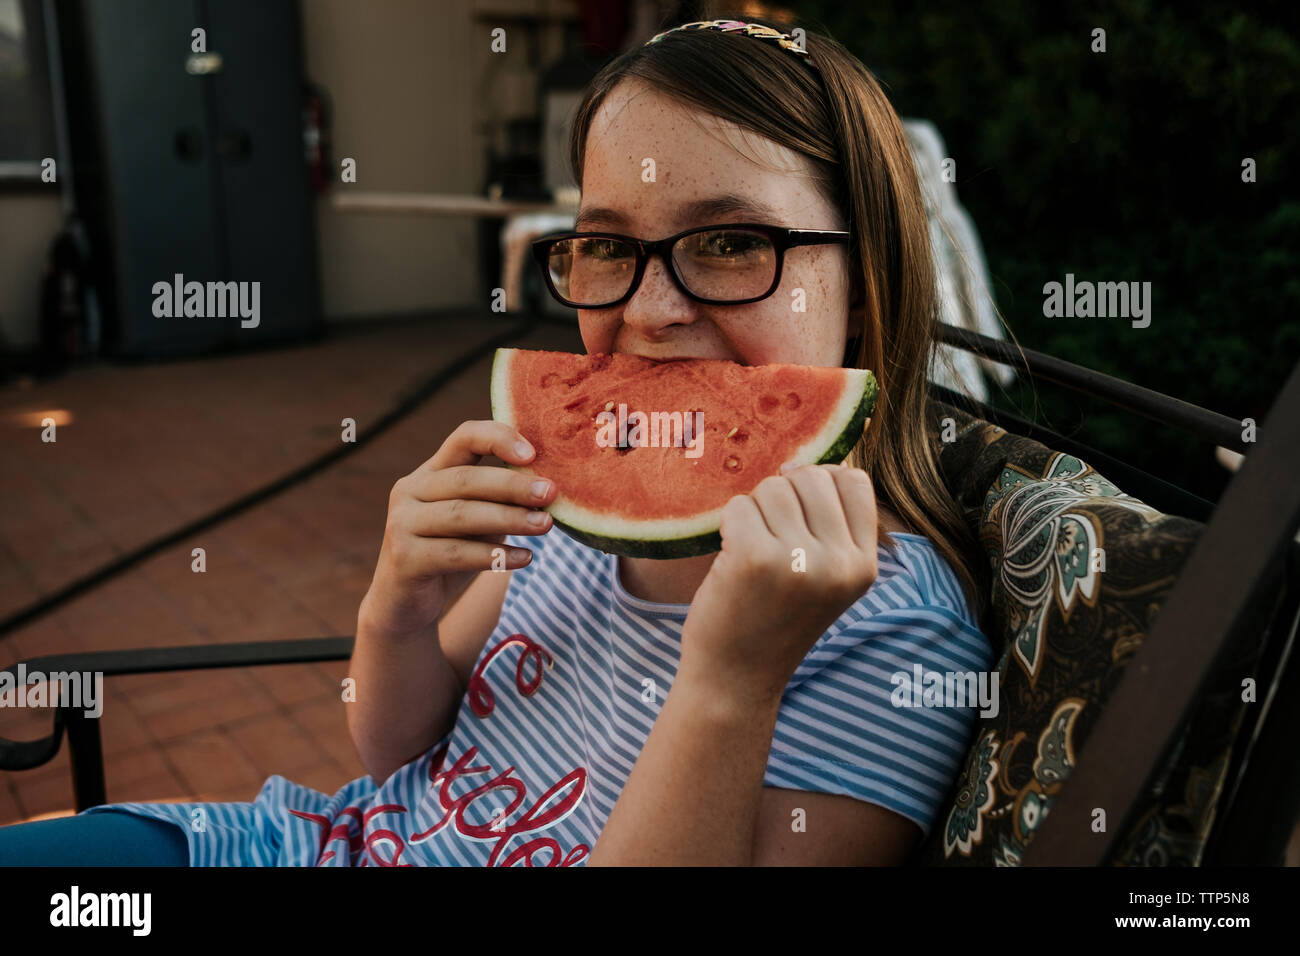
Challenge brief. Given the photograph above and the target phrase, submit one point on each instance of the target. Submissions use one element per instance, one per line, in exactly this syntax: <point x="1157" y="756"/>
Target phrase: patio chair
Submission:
<point x="1121" y="688"/>
<point x="1127" y="681"/>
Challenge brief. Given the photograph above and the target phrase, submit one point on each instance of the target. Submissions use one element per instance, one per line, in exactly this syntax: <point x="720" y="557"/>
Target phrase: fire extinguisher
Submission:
<point x="69" y="303"/>
<point x="316" y="124"/>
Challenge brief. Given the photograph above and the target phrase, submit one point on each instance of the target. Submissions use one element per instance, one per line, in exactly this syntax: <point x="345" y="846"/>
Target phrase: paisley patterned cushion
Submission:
<point x="1079" y="570"/>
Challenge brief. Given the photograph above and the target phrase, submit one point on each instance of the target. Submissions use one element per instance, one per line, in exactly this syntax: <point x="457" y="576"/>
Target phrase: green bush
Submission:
<point x="1118" y="166"/>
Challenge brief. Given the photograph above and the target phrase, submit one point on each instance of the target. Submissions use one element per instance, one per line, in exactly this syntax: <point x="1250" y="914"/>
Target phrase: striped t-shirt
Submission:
<point x="563" y="697"/>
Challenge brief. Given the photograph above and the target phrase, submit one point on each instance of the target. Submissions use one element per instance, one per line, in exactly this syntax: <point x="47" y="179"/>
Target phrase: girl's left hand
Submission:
<point x="763" y="604"/>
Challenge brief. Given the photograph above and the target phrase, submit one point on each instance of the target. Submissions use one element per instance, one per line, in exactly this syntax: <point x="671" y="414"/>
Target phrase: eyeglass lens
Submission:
<point x="718" y="264"/>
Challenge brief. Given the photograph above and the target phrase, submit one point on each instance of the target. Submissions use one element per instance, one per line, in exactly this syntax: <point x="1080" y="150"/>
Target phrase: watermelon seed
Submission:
<point x="609" y="406"/>
<point x="733" y="463"/>
<point x="792" y="401"/>
<point x="733" y="431"/>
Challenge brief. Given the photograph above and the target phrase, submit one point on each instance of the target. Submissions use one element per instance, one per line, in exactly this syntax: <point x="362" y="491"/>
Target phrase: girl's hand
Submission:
<point x="445" y="520"/>
<point x="763" y="605"/>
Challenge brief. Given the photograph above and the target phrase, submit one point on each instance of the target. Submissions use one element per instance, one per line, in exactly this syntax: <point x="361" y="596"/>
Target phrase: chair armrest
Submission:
<point x="153" y="660"/>
<point x="24" y="755"/>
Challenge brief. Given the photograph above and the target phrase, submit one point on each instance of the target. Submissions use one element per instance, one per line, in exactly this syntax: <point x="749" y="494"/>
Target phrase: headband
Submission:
<point x="756" y="30"/>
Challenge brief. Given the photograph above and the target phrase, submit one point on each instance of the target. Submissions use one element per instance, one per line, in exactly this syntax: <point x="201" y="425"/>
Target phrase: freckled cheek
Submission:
<point x="813" y="331"/>
<point x="765" y="332"/>
<point x="598" y="329"/>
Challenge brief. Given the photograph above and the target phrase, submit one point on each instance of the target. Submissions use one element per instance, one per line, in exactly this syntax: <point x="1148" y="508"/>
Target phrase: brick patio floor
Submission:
<point x="153" y="447"/>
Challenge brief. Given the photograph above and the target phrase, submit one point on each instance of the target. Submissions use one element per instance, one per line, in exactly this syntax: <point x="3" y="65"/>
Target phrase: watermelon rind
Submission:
<point x="674" y="538"/>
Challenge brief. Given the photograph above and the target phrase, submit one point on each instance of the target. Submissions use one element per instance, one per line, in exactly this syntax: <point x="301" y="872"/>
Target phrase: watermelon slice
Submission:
<point x="657" y="490"/>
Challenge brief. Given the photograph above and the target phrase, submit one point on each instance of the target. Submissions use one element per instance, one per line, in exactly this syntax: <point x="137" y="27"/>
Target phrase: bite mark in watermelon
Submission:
<point x="658" y="502"/>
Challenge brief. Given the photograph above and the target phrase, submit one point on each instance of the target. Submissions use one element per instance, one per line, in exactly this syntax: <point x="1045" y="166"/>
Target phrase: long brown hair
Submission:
<point x="838" y="117"/>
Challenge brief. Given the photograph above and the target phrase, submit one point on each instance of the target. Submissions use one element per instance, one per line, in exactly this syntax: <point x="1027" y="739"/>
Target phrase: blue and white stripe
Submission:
<point x="837" y="731"/>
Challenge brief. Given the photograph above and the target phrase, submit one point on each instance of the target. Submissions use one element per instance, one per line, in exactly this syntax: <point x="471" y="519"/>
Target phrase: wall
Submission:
<point x="404" y="90"/>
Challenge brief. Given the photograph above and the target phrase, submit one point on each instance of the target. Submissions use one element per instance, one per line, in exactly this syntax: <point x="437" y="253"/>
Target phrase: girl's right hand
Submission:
<point x="445" y="520"/>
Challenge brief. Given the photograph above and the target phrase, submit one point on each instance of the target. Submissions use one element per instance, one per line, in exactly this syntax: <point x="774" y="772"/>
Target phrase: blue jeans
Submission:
<point x="96" y="839"/>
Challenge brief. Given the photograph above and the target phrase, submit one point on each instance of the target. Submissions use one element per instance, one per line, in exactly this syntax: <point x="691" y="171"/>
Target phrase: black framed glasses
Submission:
<point x="729" y="264"/>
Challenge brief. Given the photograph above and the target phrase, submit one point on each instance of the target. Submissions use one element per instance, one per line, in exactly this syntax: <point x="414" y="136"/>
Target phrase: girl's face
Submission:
<point x="708" y="171"/>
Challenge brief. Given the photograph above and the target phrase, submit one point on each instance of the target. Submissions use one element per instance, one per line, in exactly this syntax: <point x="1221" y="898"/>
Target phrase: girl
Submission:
<point x="591" y="709"/>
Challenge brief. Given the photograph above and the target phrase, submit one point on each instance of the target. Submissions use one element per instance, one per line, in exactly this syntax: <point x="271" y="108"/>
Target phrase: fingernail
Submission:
<point x="523" y="449"/>
<point x="788" y="466"/>
<point x="540" y="488"/>
<point x="536" y="518"/>
<point x="520" y="555"/>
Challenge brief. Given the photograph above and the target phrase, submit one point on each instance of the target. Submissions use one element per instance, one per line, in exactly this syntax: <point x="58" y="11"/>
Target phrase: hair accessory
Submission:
<point x="756" y="30"/>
